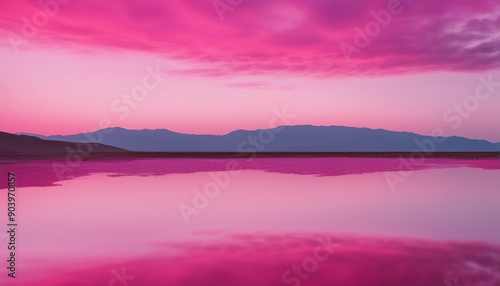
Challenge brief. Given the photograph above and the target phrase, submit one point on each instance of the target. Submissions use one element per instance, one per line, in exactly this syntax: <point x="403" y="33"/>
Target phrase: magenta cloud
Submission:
<point x="268" y="259"/>
<point x="313" y="38"/>
<point x="40" y="175"/>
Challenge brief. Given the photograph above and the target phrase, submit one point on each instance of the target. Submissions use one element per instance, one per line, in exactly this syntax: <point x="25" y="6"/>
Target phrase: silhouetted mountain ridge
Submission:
<point x="299" y="138"/>
<point x="25" y="144"/>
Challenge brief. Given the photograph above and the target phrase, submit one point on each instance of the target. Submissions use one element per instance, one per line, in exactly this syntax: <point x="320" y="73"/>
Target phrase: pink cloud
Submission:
<point x="249" y="259"/>
<point x="40" y="175"/>
<point x="259" y="85"/>
<point x="288" y="37"/>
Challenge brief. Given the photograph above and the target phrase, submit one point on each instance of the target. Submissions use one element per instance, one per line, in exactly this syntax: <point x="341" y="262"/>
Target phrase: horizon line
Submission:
<point x="248" y="130"/>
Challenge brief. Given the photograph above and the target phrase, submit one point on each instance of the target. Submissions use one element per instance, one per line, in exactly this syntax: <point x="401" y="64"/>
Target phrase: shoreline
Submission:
<point x="224" y="155"/>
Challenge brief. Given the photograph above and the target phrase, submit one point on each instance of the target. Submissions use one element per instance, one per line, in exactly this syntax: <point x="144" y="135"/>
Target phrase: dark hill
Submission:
<point x="24" y="144"/>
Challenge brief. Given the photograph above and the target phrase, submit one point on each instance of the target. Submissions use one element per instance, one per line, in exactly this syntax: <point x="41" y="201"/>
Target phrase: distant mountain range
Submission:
<point x="301" y="138"/>
<point x="13" y="144"/>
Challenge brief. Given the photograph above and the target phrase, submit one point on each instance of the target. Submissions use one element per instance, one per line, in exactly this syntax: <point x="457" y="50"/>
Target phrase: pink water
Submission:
<point x="309" y="221"/>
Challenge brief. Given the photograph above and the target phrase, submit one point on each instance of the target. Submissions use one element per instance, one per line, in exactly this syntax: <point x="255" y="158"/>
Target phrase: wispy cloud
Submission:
<point x="259" y="85"/>
<point x="261" y="259"/>
<point x="280" y="37"/>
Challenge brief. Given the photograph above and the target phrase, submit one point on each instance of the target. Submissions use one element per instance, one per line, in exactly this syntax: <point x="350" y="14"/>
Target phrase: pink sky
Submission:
<point x="64" y="71"/>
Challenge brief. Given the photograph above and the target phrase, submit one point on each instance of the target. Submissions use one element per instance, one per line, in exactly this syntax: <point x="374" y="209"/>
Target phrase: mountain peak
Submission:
<point x="296" y="138"/>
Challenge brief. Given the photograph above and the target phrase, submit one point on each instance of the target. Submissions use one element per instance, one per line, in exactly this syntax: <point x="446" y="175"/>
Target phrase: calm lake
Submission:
<point x="265" y="221"/>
